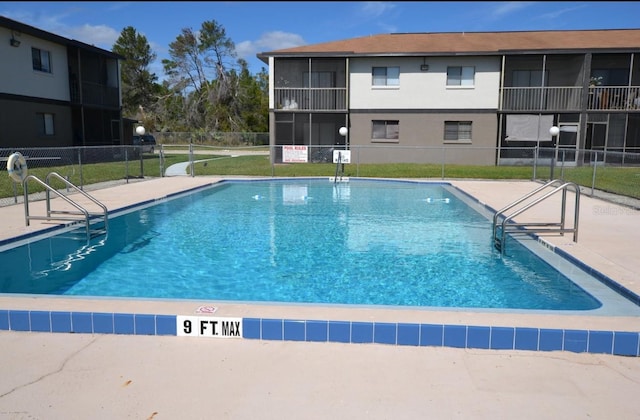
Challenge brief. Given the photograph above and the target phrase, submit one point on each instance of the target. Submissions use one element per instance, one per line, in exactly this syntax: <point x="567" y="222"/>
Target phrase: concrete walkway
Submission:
<point x="79" y="376"/>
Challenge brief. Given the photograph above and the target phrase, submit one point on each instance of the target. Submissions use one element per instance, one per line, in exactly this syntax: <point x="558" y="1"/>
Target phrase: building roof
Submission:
<point x="22" y="28"/>
<point x="468" y="43"/>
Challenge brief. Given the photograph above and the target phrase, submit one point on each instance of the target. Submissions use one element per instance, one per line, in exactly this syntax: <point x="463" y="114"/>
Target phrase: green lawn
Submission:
<point x="623" y="181"/>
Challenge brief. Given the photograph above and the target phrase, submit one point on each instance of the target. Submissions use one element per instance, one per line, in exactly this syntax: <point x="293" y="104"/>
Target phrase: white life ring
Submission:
<point x="17" y="167"/>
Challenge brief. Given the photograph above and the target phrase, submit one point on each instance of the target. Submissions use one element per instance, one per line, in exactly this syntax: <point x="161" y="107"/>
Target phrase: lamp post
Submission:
<point x="140" y="131"/>
<point x="343" y="131"/>
<point x="554" y="131"/>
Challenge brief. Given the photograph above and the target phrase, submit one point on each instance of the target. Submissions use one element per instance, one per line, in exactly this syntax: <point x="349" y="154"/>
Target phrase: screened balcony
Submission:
<point x="311" y="99"/>
<point x="600" y="98"/>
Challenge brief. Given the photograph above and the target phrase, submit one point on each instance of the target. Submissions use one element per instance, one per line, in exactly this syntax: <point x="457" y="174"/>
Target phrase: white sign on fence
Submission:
<point x="295" y="154"/>
<point x="342" y="156"/>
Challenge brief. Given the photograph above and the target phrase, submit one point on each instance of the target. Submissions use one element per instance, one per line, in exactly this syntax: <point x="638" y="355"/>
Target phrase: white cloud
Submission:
<point x="506" y="8"/>
<point x="100" y="35"/>
<point x="269" y="41"/>
<point x="557" y="13"/>
<point x="374" y="9"/>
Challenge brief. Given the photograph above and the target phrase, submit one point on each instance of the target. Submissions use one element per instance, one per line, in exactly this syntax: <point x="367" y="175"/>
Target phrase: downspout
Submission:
<point x="80" y="92"/>
<point x="500" y="113"/>
<point x="584" y="116"/>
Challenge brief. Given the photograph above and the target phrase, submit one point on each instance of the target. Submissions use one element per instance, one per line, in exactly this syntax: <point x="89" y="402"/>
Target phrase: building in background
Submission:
<point x="468" y="98"/>
<point x="56" y="92"/>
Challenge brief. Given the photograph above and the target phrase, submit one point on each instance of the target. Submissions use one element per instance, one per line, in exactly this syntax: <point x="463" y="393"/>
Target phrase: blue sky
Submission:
<point x="266" y="26"/>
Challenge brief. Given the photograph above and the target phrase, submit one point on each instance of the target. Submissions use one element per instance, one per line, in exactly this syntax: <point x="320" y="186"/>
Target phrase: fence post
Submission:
<point x="272" y="159"/>
<point x="191" y="158"/>
<point x="593" y="181"/>
<point x="126" y="164"/>
<point x="535" y="162"/>
<point x="141" y="164"/>
<point x="80" y="165"/>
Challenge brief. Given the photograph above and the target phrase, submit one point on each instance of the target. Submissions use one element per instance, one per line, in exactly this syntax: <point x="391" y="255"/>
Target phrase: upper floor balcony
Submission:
<point x="599" y="98"/>
<point x="94" y="94"/>
<point x="311" y="99"/>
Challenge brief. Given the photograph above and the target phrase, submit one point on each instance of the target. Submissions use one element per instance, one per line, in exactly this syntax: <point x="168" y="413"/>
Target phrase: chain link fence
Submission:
<point x="85" y="167"/>
<point x="239" y="155"/>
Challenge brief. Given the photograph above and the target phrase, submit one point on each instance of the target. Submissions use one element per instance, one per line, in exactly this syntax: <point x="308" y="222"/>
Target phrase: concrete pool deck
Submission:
<point x="114" y="376"/>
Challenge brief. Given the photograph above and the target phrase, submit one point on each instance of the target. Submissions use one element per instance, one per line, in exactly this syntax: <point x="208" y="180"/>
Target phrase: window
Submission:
<point x="385" y="130"/>
<point x="457" y="131"/>
<point x="611" y="77"/>
<point x="319" y="79"/>
<point x="529" y="78"/>
<point x="41" y="60"/>
<point x="386" y="76"/>
<point x="460" y="76"/>
<point x="45" y="124"/>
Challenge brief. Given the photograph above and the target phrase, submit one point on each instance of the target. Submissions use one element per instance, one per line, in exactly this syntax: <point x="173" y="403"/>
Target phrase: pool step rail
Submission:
<point x="340" y="161"/>
<point x="94" y="223"/>
<point x="503" y="222"/>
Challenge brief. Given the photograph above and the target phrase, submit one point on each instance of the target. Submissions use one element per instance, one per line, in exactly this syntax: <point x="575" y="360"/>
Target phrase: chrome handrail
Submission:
<point x="48" y="190"/>
<point x="563" y="187"/>
<point x="71" y="185"/>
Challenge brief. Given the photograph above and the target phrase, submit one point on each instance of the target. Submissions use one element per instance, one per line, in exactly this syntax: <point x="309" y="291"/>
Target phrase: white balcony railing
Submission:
<point x="614" y="97"/>
<point x="570" y="98"/>
<point x="313" y="99"/>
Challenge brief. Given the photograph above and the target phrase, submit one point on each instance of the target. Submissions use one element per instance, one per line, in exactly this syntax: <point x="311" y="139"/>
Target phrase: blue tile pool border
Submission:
<point x="618" y="343"/>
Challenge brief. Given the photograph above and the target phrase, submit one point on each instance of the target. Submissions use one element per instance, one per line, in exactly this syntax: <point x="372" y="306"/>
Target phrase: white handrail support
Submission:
<point x="81" y="211"/>
<point x="508" y="225"/>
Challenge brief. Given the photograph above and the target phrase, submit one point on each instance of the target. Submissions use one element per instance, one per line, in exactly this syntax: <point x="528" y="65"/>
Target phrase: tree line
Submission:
<point x="206" y="88"/>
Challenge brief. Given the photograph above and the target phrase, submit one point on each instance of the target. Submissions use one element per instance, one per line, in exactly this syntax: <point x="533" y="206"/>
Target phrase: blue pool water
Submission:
<point x="299" y="241"/>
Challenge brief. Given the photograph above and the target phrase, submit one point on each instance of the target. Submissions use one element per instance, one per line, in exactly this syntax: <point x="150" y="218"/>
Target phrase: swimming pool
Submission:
<point x="304" y="241"/>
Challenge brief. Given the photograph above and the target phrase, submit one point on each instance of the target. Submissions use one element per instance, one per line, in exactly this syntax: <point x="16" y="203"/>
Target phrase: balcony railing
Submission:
<point x="614" y="97"/>
<point x="312" y="99"/>
<point x="94" y="94"/>
<point x="541" y="98"/>
<point x="570" y="98"/>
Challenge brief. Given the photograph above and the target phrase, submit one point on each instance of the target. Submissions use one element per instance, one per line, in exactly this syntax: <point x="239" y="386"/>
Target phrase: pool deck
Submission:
<point x="115" y="376"/>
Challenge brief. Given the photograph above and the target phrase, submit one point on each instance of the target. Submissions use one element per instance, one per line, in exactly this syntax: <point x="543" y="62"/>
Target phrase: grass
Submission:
<point x="618" y="180"/>
<point x="91" y="173"/>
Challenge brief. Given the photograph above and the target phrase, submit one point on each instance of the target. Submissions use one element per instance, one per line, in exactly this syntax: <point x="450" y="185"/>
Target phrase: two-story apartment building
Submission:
<point x="470" y="98"/>
<point x="56" y="92"/>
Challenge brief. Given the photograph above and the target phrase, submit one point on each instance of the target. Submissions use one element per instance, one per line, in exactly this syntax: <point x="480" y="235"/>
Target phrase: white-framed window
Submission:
<point x="461" y="75"/>
<point x="457" y="131"/>
<point x="385" y="130"/>
<point x="41" y="60"/>
<point x="46" y="125"/>
<point x="529" y="78"/>
<point x="385" y="76"/>
<point x="319" y="79"/>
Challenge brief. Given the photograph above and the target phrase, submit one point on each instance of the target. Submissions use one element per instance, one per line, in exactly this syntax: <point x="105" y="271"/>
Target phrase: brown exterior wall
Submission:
<point x="422" y="139"/>
<point x="19" y="124"/>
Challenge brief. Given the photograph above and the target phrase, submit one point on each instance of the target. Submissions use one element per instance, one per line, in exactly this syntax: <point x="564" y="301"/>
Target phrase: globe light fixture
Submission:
<point x="554" y="131"/>
<point x="343" y="131"/>
<point x="140" y="130"/>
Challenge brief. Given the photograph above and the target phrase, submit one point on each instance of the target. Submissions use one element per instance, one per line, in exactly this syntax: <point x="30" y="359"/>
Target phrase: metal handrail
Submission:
<point x="48" y="216"/>
<point x="71" y="185"/>
<point x="48" y="190"/>
<point x="563" y="187"/>
<point x="518" y="201"/>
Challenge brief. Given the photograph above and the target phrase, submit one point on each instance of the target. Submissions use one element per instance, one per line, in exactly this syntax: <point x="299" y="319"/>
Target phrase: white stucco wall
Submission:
<point x="17" y="75"/>
<point x="425" y="89"/>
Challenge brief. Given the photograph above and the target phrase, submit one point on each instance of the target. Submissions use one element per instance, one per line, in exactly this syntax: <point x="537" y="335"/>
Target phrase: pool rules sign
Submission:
<point x="208" y="326"/>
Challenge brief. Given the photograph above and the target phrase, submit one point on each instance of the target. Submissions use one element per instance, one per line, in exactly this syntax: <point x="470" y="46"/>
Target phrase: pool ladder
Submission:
<point x="507" y="225"/>
<point x="95" y="224"/>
